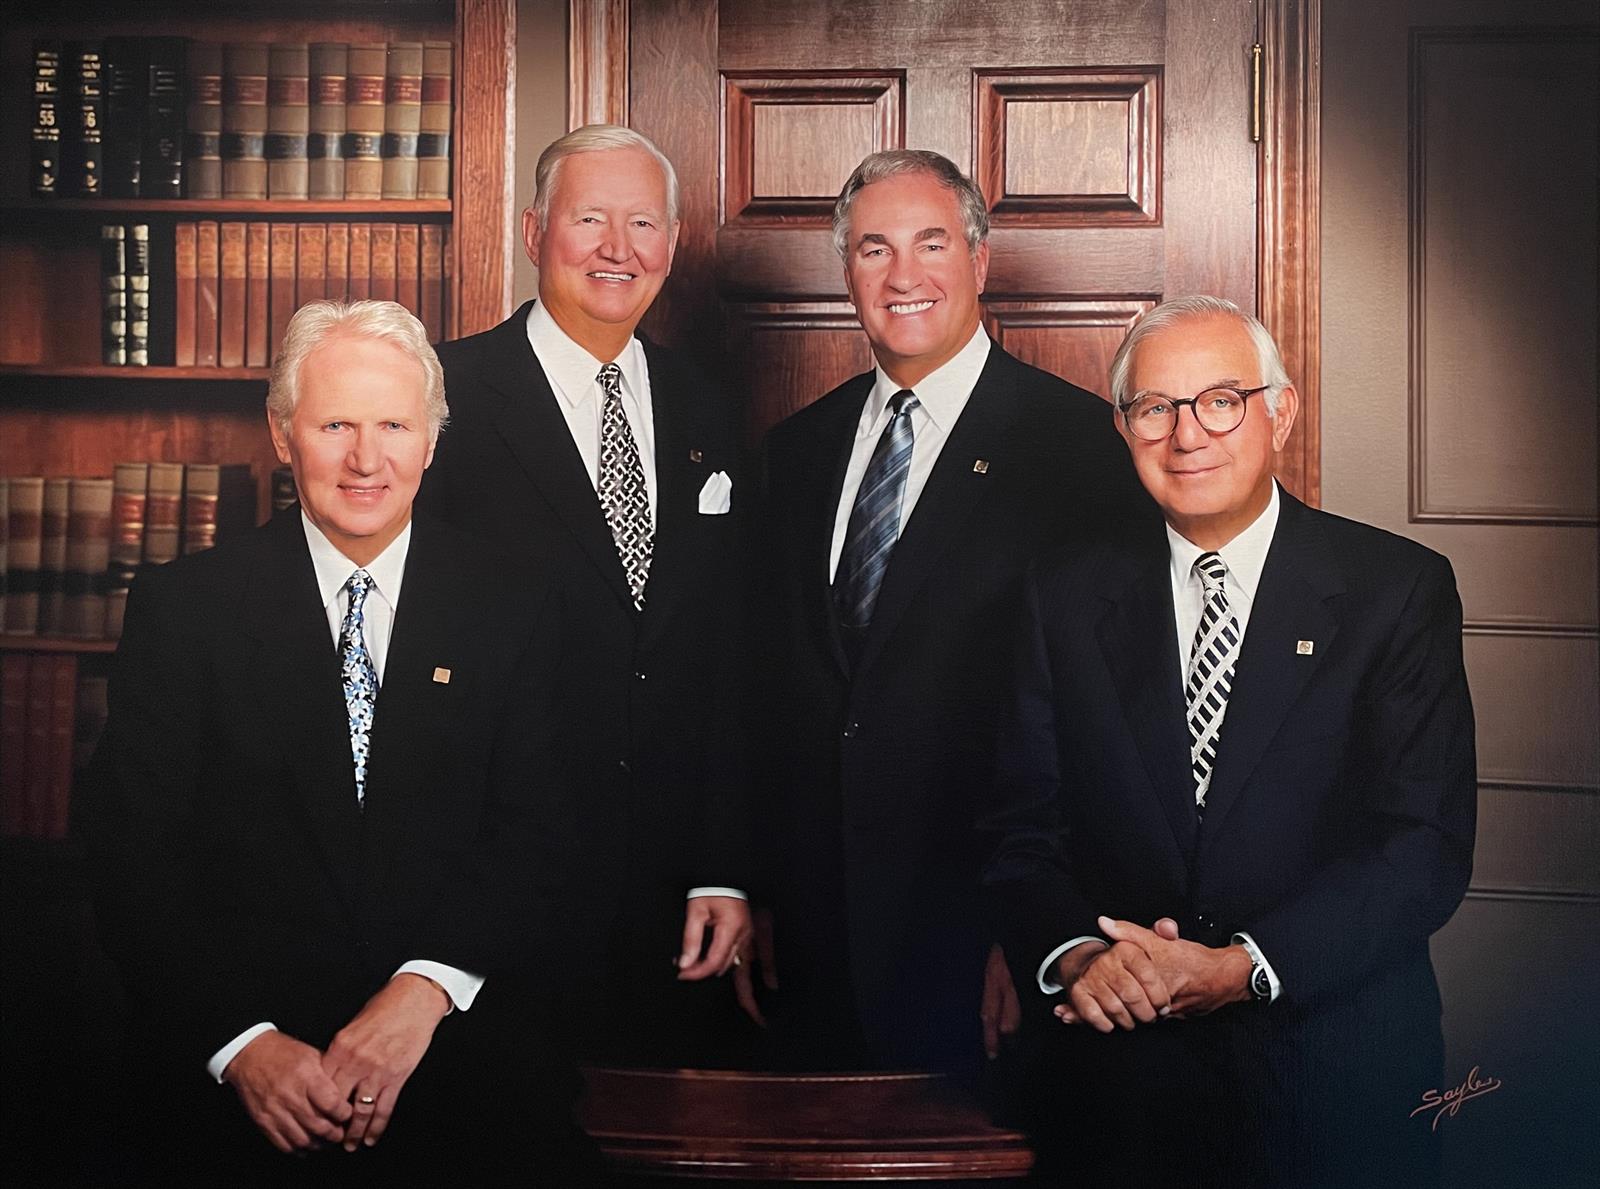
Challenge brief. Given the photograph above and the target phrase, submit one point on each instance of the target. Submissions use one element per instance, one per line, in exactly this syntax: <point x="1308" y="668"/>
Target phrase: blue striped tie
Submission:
<point x="874" y="522"/>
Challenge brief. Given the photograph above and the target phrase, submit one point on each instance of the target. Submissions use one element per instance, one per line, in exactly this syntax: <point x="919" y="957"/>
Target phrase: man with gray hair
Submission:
<point x="899" y="513"/>
<point x="1236" y="796"/>
<point x="595" y="454"/>
<point x="315" y="816"/>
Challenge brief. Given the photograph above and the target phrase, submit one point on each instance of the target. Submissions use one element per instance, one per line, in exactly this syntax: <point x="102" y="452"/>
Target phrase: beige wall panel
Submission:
<point x="1537" y="704"/>
<point x="1538" y="840"/>
<point x="541" y="112"/>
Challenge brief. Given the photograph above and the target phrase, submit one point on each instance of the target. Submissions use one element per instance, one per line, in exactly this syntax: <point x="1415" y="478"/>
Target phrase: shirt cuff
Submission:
<point x="219" y="1060"/>
<point x="734" y="893"/>
<point x="1256" y="955"/>
<point x="1050" y="988"/>
<point x="461" y="988"/>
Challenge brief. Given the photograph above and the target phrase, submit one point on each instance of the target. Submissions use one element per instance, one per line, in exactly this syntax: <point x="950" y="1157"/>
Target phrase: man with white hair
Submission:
<point x="1236" y="797"/>
<point x="593" y="453"/>
<point x="313" y="817"/>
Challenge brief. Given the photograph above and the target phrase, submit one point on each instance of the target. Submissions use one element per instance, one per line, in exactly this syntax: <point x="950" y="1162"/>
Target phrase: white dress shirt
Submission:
<point x="333" y="570"/>
<point x="941" y="395"/>
<point x="573" y="373"/>
<point x="1245" y="556"/>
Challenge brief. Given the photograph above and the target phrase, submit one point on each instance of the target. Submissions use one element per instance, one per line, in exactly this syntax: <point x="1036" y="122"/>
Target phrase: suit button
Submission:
<point x="640" y="676"/>
<point x="623" y="764"/>
<point x="850" y="731"/>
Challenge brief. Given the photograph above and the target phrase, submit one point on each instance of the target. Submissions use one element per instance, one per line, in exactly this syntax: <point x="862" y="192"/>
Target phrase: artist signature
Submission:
<point x="1449" y="1102"/>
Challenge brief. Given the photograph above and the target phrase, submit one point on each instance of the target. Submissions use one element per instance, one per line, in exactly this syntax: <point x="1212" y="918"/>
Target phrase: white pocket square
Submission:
<point x="716" y="497"/>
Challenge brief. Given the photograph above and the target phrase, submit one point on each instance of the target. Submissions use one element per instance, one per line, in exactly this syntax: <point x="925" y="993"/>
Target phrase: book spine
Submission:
<point x="219" y="500"/>
<point x="88" y="558"/>
<point x="407" y="275"/>
<point x="257" y="315"/>
<point x="206" y="283"/>
<point x="113" y="293"/>
<point x="85" y="150"/>
<point x="283" y="490"/>
<point x="311" y="265"/>
<point x="433" y="137"/>
<point x="231" y="315"/>
<point x="359" y="277"/>
<point x="364" y="121"/>
<point x="244" y="120"/>
<point x="202" y="136"/>
<point x="36" y="760"/>
<point x="5" y="532"/>
<point x="382" y="282"/>
<point x="183" y="276"/>
<point x="161" y="174"/>
<point x="138" y="258"/>
<point x="125" y="69"/>
<point x="338" y="284"/>
<point x="402" y="119"/>
<point x="163" y="512"/>
<point x="14" y="676"/>
<point x="281" y="294"/>
<point x="129" y="483"/>
<point x="329" y="64"/>
<point x="57" y="802"/>
<point x="47" y="113"/>
<point x="288" y="120"/>
<point x="431" y="268"/>
<point x="25" y="542"/>
<point x="53" y="556"/>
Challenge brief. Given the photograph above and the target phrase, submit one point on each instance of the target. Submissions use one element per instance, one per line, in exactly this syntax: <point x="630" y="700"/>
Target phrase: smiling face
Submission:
<point x="914" y="283"/>
<point x="1210" y="486"/>
<point x="606" y="247"/>
<point x="358" y="441"/>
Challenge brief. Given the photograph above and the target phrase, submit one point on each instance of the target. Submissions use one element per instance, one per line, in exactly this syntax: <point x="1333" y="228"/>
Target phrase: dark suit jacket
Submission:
<point x="238" y="879"/>
<point x="872" y="777"/>
<point x="656" y="804"/>
<point x="1339" y="824"/>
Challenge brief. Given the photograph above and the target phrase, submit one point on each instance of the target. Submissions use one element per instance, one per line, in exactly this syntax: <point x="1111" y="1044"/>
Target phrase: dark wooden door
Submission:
<point x="1111" y="140"/>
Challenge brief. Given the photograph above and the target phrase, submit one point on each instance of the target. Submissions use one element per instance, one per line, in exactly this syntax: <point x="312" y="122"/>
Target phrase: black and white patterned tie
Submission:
<point x="1216" y="644"/>
<point x="623" y="497"/>
<point x="359" y="677"/>
<point x="874" y="524"/>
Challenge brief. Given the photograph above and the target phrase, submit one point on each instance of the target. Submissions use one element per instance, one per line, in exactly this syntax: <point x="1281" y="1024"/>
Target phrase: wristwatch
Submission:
<point x="1260" y="981"/>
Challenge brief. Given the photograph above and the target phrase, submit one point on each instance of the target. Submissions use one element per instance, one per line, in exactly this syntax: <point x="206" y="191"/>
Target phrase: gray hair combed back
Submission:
<point x="595" y="138"/>
<point x="894" y="162"/>
<point x="1180" y="309"/>
<point x="318" y="322"/>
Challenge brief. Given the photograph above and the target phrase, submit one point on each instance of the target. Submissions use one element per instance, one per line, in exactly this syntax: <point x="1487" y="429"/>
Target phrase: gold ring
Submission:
<point x="366" y="1100"/>
<point x="738" y="961"/>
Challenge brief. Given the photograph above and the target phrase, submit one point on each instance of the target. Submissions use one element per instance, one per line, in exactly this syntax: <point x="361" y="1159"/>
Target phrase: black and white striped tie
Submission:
<point x="1216" y="645"/>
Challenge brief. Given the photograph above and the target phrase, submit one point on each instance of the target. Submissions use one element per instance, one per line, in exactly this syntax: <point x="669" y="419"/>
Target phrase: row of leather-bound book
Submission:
<point x="166" y="117"/>
<point x="51" y="716"/>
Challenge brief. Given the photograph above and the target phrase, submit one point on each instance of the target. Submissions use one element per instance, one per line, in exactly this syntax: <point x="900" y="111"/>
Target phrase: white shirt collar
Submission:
<point x="1245" y="555"/>
<point x="333" y="568"/>
<point x="942" y="393"/>
<point x="570" y="368"/>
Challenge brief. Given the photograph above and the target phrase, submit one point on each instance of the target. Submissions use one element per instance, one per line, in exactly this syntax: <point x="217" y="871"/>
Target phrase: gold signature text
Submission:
<point x="1449" y="1102"/>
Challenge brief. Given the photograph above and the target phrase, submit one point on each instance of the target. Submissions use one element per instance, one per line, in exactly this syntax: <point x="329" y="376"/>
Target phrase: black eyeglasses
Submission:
<point x="1153" y="417"/>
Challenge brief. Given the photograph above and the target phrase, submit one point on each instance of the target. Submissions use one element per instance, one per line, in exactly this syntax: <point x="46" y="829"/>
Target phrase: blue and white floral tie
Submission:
<point x="360" y="679"/>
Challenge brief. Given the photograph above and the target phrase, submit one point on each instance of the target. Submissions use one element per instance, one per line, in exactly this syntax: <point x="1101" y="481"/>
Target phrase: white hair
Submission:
<point x="1180" y="309"/>
<point x="316" y="322"/>
<point x="595" y="138"/>
<point x="888" y="163"/>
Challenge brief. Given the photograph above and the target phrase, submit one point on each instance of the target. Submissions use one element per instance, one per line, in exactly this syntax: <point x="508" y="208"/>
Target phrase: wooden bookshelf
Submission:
<point x="14" y="643"/>
<point x="409" y="208"/>
<point x="101" y="371"/>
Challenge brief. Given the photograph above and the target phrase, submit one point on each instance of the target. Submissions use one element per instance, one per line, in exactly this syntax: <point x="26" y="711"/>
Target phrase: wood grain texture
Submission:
<point x="791" y="353"/>
<point x="597" y="62"/>
<point x="1289" y="226"/>
<point x="483" y="240"/>
<point x="1074" y="339"/>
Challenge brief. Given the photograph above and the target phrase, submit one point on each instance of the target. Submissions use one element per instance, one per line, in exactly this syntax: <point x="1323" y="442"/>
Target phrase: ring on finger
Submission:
<point x="366" y="1100"/>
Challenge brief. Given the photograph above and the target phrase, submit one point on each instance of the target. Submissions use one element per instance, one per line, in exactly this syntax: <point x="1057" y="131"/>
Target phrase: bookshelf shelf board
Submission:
<point x="15" y="643"/>
<point x="96" y="371"/>
<point x="229" y="206"/>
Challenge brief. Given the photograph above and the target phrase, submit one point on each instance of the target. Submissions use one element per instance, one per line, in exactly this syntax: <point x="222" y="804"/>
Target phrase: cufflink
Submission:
<point x="442" y="676"/>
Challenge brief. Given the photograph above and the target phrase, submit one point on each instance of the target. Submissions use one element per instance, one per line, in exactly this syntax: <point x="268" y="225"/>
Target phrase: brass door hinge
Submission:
<point x="1255" y="93"/>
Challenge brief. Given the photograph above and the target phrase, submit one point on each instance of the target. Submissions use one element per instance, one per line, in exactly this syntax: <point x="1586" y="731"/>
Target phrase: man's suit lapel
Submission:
<point x="1140" y="644"/>
<point x="680" y="435"/>
<point x="953" y="490"/>
<point x="1290" y="606"/>
<point x="819" y="505"/>
<point x="297" y="667"/>
<point x="530" y="421"/>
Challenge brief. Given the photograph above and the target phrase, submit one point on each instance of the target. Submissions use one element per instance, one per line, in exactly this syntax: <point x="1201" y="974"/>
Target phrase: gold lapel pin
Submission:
<point x="442" y="676"/>
<point x="980" y="466"/>
<point x="1304" y="647"/>
<point x="696" y="456"/>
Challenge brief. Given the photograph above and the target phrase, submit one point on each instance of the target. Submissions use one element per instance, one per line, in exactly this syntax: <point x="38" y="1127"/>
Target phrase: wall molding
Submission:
<point x="597" y="62"/>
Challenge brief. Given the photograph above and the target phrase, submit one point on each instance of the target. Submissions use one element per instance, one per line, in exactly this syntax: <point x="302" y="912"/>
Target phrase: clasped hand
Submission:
<point x="301" y="1098"/>
<point x="1145" y="975"/>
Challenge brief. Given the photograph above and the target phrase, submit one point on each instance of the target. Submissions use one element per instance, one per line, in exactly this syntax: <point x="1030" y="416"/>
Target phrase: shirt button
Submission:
<point x="640" y="676"/>
<point x="623" y="764"/>
<point x="850" y="731"/>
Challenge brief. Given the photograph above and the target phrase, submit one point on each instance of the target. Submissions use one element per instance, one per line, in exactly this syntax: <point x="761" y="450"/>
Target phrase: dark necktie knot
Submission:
<point x="903" y="402"/>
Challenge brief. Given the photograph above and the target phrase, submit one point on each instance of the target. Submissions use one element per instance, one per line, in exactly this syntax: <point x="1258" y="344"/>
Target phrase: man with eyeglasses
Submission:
<point x="1236" y="797"/>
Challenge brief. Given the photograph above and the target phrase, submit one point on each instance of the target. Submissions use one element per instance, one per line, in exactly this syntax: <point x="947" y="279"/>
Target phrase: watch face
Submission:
<point x="1260" y="983"/>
